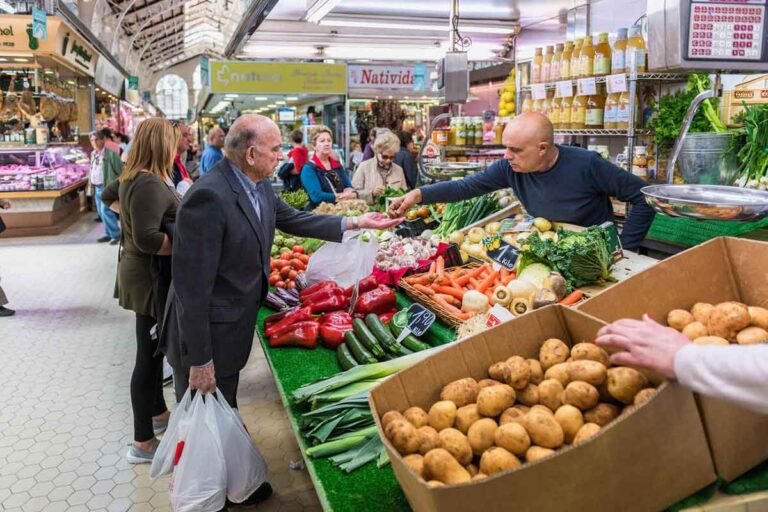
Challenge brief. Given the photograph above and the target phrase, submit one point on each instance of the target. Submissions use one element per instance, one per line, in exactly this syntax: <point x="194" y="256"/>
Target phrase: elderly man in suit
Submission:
<point x="221" y="252"/>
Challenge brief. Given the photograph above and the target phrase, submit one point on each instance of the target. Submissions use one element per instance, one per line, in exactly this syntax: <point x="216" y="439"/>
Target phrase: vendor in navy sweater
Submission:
<point x="560" y="183"/>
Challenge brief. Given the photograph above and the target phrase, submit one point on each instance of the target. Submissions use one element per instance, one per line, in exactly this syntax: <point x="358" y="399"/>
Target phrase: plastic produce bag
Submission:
<point x="199" y="481"/>
<point x="246" y="468"/>
<point x="344" y="263"/>
<point x="162" y="462"/>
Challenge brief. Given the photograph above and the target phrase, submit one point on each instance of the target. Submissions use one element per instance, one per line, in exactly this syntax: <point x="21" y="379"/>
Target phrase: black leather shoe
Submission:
<point x="259" y="495"/>
<point x="103" y="239"/>
<point x="4" y="311"/>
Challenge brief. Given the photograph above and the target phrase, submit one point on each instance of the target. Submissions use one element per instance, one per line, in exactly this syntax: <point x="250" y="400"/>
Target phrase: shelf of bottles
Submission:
<point x="640" y="77"/>
<point x="601" y="133"/>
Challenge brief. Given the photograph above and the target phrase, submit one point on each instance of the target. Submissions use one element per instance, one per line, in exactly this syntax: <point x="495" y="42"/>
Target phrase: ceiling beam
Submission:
<point x="150" y="30"/>
<point x="151" y="10"/>
<point x="252" y="18"/>
<point x="163" y="41"/>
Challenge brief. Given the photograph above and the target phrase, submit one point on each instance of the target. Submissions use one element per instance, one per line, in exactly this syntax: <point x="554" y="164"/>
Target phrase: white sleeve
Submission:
<point x="734" y="373"/>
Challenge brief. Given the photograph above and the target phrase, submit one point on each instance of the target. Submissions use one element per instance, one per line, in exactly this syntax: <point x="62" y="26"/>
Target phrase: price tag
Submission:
<point x="419" y="320"/>
<point x="498" y="315"/>
<point x="539" y="91"/>
<point x="565" y="89"/>
<point x="501" y="252"/>
<point x="587" y="86"/>
<point x="616" y="83"/>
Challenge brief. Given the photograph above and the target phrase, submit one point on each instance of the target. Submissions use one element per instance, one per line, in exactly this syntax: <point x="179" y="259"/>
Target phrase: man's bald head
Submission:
<point x="253" y="144"/>
<point x="216" y="137"/>
<point x="530" y="142"/>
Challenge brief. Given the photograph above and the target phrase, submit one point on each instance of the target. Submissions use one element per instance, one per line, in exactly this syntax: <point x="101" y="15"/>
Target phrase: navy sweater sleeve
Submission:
<point x="493" y="178"/>
<point x="313" y="187"/>
<point x="624" y="186"/>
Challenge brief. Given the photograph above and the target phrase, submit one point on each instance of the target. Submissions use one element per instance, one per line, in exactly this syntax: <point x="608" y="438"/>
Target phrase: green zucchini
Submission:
<point x="404" y="351"/>
<point x="367" y="338"/>
<point x="360" y="353"/>
<point x="412" y="343"/>
<point x="382" y="333"/>
<point x="346" y="359"/>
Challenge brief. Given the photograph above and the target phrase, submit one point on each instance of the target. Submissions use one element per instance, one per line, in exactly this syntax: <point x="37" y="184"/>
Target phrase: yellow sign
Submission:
<point x="277" y="78"/>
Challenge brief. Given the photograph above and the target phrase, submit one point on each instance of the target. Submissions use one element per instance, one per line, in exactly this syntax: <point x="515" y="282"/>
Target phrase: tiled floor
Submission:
<point x="65" y="414"/>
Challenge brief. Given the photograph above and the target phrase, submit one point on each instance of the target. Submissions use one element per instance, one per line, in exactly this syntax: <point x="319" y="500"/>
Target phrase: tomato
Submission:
<point x="273" y="279"/>
<point x="292" y="275"/>
<point x="286" y="256"/>
<point x="304" y="258"/>
<point x="280" y="284"/>
<point x="285" y="271"/>
<point x="290" y="285"/>
<point x="297" y="264"/>
<point x="279" y="264"/>
<point x="299" y="249"/>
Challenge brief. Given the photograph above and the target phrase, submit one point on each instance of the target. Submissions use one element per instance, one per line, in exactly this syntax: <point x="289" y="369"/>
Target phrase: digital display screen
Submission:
<point x="723" y="30"/>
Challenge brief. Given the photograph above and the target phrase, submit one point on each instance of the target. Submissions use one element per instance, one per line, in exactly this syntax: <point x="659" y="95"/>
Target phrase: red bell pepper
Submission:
<point x="378" y="301"/>
<point x="333" y="334"/>
<point x="316" y="287"/>
<point x="364" y="285"/>
<point x="336" y="318"/>
<point x="332" y="303"/>
<point x="322" y="295"/>
<point x="387" y="317"/>
<point x="302" y="334"/>
<point x="295" y="316"/>
<point x="272" y="319"/>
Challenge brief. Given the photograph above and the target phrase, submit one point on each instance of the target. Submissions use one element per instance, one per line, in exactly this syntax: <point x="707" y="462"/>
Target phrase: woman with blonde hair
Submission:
<point x="147" y="202"/>
<point x="373" y="176"/>
<point x="323" y="177"/>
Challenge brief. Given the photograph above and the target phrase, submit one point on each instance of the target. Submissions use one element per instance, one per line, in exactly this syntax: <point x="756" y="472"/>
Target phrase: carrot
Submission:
<point x="489" y="294"/>
<point x="417" y="280"/>
<point x="463" y="280"/>
<point x="432" y="269"/>
<point x="452" y="309"/>
<point x="474" y="282"/>
<point x="453" y="292"/>
<point x="424" y="289"/>
<point x="488" y="281"/>
<point x="503" y="273"/>
<point x="511" y="277"/>
<point x="573" y="298"/>
<point x="449" y="299"/>
<point x="440" y="267"/>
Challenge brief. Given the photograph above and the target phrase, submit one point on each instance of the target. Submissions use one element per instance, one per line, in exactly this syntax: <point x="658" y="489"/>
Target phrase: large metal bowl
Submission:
<point x="449" y="170"/>
<point x="708" y="202"/>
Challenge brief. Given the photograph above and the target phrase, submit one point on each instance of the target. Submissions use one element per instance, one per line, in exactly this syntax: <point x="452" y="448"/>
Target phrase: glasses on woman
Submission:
<point x="384" y="157"/>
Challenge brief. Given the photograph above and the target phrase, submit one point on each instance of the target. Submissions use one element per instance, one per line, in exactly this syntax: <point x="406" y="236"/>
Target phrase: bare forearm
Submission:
<point x="167" y="247"/>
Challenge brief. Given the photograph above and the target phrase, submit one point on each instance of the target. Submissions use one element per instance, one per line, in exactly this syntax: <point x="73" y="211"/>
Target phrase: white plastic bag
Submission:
<point x="199" y="481"/>
<point x="162" y="462"/>
<point x="345" y="263"/>
<point x="246" y="468"/>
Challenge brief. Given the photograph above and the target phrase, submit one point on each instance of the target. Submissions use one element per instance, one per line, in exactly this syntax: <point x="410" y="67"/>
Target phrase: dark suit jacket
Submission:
<point x="221" y="258"/>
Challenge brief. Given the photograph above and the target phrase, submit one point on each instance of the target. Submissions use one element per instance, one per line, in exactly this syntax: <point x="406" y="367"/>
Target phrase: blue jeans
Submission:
<point x="108" y="217"/>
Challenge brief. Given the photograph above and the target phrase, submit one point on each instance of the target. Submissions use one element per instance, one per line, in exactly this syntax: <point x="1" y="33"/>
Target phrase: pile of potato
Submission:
<point x="526" y="410"/>
<point x="725" y="323"/>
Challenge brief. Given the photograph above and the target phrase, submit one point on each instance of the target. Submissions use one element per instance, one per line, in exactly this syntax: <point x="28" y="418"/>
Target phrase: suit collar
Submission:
<point x="244" y="202"/>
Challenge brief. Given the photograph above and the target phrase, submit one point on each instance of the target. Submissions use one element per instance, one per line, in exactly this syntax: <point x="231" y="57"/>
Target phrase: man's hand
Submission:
<point x="4" y="204"/>
<point x="378" y="190"/>
<point x="203" y="378"/>
<point x="402" y="204"/>
<point x="644" y="344"/>
<point x="347" y="194"/>
<point x="374" y="220"/>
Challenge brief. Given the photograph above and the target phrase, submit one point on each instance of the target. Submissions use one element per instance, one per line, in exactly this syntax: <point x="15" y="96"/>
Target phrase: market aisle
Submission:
<point x="65" y="415"/>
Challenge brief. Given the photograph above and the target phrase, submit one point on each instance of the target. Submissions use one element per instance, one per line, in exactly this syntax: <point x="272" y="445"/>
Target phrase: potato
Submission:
<point x="403" y="436"/>
<point x="512" y="437"/>
<point x="481" y="434"/>
<point x="416" y="463"/>
<point x="528" y="395"/>
<point x="519" y="372"/>
<point x="461" y="392"/>
<point x="479" y="476"/>
<point x="543" y="409"/>
<point x="711" y="340"/>
<point x="552" y="352"/>
<point x="537" y="372"/>
<point x="624" y="383"/>
<point x="440" y="465"/>
<point x="679" y="318"/>
<point x="494" y="400"/>
<point x="511" y="415"/>
<point x="643" y="395"/>
<point x="495" y="460"/>
<point x="602" y="390"/>
<point x="701" y="311"/>
<point x="456" y="444"/>
<point x="472" y="469"/>
<point x="486" y="383"/>
<point x="416" y="416"/>
<point x="758" y="317"/>
<point x="570" y="419"/>
<point x="522" y="408"/>
<point x="551" y="394"/>
<point x="585" y="432"/>
<point x="559" y="372"/>
<point x="442" y="415"/>
<point x="543" y="429"/>
<point x="590" y="352"/>
<point x="590" y="372"/>
<point x="581" y="395"/>
<point x="465" y="417"/>
<point x="727" y="319"/>
<point x="389" y="417"/>
<point x="499" y="371"/>
<point x="752" y="336"/>
<point x="435" y="483"/>
<point x="428" y="439"/>
<point x="535" y="453"/>
<point x="602" y="414"/>
<point x="695" y="330"/>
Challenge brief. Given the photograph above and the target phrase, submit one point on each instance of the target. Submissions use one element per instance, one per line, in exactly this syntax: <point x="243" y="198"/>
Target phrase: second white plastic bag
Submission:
<point x="345" y="263"/>
<point x="162" y="462"/>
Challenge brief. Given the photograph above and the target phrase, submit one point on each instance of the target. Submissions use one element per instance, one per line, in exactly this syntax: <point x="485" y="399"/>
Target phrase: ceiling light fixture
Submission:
<point x="17" y="59"/>
<point x="405" y="24"/>
<point x="320" y="9"/>
<point x="281" y="102"/>
<point x="292" y="98"/>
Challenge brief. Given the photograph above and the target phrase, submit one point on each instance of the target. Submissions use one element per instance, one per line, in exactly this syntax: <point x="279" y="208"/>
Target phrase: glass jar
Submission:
<point x="537" y="105"/>
<point x="579" y="113"/>
<point x="546" y="64"/>
<point x="565" y="61"/>
<point x="527" y="104"/>
<point x="452" y="132"/>
<point x="587" y="58"/>
<point x="640" y="162"/>
<point x="536" y="65"/>
<point x="461" y="132"/>
<point x="575" y="58"/>
<point x="553" y="114"/>
<point x="636" y="53"/>
<point x="602" y="62"/>
<point x="554" y="69"/>
<point x="622" y="117"/>
<point x="479" y="130"/>
<point x="498" y="130"/>
<point x="545" y="104"/>
<point x="611" y="111"/>
<point x="621" y="158"/>
<point x="618" y="54"/>
<point x="469" y="130"/>
<point x="594" y="117"/>
<point x="566" y="111"/>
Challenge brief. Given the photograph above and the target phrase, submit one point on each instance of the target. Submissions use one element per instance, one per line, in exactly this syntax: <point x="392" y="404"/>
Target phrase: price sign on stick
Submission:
<point x="501" y="252"/>
<point x="419" y="320"/>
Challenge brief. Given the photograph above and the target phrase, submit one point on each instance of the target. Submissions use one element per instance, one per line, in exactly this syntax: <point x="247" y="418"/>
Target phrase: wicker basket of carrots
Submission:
<point x="442" y="290"/>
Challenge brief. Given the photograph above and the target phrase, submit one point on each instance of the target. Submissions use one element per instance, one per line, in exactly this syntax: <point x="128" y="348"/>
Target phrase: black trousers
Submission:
<point x="227" y="386"/>
<point x="147" y="381"/>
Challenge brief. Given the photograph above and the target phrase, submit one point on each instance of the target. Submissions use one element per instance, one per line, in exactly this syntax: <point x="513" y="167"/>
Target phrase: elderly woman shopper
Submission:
<point x="373" y="176"/>
<point x="147" y="202"/>
<point x="323" y="177"/>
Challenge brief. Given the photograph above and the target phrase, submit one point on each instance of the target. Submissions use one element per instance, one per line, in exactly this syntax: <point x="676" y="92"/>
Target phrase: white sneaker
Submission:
<point x="138" y="456"/>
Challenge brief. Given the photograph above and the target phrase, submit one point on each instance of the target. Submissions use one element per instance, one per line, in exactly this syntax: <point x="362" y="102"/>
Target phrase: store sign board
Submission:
<point x="420" y="77"/>
<point x="16" y="34"/>
<point x="108" y="77"/>
<point x="277" y="78"/>
<point x="205" y="71"/>
<point x="39" y="23"/>
<point x="382" y="77"/>
<point x="75" y="50"/>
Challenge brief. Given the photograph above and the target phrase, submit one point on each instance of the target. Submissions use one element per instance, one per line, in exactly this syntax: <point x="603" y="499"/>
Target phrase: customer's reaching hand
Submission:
<point x="203" y="378"/>
<point x="402" y="204"/>
<point x="374" y="220"/>
<point x="644" y="344"/>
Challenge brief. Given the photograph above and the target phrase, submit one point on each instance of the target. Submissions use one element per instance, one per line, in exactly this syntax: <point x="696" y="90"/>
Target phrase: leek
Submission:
<point x="342" y="443"/>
